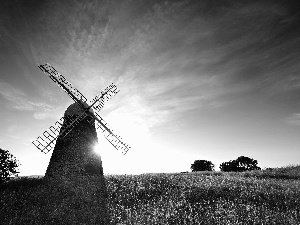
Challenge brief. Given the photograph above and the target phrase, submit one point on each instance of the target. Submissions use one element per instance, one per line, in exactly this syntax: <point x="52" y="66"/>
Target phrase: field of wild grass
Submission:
<point x="256" y="197"/>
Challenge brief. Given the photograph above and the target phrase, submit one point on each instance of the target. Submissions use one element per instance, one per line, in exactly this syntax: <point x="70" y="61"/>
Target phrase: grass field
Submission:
<point x="256" y="197"/>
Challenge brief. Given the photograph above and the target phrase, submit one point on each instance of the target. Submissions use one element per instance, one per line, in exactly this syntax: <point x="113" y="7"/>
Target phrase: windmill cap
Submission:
<point x="75" y="108"/>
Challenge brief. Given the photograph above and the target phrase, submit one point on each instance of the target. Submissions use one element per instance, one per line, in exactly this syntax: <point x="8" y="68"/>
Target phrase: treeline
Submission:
<point x="240" y="164"/>
<point x="9" y="165"/>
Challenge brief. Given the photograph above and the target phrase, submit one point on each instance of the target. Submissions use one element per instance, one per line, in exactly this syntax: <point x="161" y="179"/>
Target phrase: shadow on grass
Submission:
<point x="80" y="200"/>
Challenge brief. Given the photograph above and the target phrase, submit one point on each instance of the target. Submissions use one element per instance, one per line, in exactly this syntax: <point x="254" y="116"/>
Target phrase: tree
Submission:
<point x="247" y="164"/>
<point x="228" y="166"/>
<point x="241" y="164"/>
<point x="202" y="165"/>
<point x="8" y="165"/>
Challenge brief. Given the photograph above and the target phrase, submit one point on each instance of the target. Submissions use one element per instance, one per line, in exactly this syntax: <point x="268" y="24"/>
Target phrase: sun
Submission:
<point x="97" y="148"/>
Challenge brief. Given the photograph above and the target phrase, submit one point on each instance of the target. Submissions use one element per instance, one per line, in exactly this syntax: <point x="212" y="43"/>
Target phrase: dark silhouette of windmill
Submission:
<point x="74" y="135"/>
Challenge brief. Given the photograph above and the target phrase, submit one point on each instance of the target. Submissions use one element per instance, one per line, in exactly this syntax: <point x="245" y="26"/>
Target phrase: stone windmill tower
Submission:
<point x="74" y="154"/>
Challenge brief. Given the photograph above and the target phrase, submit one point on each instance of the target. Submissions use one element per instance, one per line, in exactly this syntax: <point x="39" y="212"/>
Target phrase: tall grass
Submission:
<point x="206" y="198"/>
<point x="40" y="201"/>
<point x="257" y="197"/>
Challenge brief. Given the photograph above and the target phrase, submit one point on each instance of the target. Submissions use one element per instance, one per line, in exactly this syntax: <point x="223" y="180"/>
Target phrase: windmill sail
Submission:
<point x="61" y="81"/>
<point x="46" y="142"/>
<point x="114" y="139"/>
<point x="98" y="102"/>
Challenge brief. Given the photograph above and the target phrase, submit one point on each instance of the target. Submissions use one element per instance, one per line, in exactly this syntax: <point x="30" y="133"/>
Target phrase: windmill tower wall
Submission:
<point x="74" y="155"/>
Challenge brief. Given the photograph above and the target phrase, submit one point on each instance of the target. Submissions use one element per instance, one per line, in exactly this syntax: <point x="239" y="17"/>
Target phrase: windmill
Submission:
<point x="46" y="142"/>
<point x="74" y="165"/>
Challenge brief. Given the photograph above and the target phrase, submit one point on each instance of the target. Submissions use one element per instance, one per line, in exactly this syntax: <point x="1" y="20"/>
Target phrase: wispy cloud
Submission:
<point x="18" y="100"/>
<point x="293" y="119"/>
<point x="14" y="131"/>
<point x="13" y="136"/>
<point x="44" y="115"/>
<point x="158" y="62"/>
<point x="12" y="128"/>
<point x="168" y="58"/>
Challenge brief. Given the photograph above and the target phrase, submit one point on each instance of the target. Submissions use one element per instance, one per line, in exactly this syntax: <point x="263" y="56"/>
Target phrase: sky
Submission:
<point x="199" y="80"/>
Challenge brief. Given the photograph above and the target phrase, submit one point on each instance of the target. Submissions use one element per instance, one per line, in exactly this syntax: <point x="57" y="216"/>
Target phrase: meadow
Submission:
<point x="256" y="197"/>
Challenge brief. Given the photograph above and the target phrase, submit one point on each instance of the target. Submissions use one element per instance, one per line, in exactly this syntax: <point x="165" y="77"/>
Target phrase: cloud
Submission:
<point x="168" y="58"/>
<point x="42" y="105"/>
<point x="40" y="116"/>
<point x="12" y="128"/>
<point x="13" y="136"/>
<point x="293" y="119"/>
<point x="13" y="131"/>
<point x="18" y="100"/>
<point x="44" y="115"/>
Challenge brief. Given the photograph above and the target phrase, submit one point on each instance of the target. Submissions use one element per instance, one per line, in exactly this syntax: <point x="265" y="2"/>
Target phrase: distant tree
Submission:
<point x="241" y="164"/>
<point x="228" y="166"/>
<point x="202" y="165"/>
<point x="247" y="164"/>
<point x="8" y="165"/>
